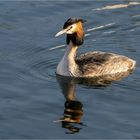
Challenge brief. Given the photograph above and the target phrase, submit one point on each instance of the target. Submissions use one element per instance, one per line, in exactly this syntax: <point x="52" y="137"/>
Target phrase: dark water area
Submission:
<point x="32" y="98"/>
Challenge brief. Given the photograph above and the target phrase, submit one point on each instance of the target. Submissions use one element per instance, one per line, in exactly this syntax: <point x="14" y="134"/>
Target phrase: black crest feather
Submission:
<point x="71" y="21"/>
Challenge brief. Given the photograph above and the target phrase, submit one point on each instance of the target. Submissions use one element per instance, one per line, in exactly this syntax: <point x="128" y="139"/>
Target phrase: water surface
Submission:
<point x="31" y="100"/>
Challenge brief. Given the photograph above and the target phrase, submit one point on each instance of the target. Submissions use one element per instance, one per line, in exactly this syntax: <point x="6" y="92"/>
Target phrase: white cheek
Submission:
<point x="73" y="27"/>
<point x="72" y="30"/>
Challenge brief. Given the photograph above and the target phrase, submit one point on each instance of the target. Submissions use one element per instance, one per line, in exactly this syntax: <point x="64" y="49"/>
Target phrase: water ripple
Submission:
<point x="100" y="27"/>
<point x="57" y="47"/>
<point x="116" y="6"/>
<point x="44" y="69"/>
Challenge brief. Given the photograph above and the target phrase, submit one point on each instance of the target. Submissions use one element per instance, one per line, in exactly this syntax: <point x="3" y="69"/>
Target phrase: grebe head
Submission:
<point x="73" y="27"/>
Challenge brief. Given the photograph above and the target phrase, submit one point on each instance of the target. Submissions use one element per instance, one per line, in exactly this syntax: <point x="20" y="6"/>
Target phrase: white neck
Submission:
<point x="67" y="66"/>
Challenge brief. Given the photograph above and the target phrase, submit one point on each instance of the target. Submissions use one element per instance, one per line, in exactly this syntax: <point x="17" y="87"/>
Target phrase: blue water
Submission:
<point x="31" y="100"/>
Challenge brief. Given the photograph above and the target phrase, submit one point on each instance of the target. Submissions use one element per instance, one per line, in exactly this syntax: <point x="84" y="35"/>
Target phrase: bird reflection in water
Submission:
<point x="73" y="110"/>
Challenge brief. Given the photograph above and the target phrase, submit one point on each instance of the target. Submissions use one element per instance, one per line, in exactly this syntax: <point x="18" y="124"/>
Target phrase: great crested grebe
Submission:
<point x="90" y="64"/>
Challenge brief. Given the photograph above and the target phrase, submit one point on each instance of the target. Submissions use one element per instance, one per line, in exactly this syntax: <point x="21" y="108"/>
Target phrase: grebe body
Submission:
<point x="90" y="64"/>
